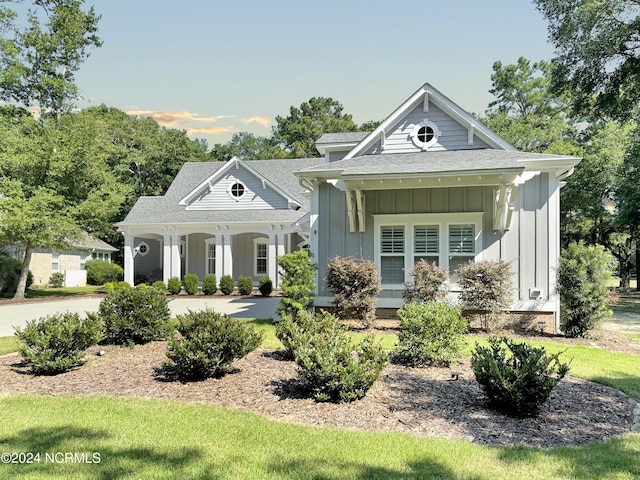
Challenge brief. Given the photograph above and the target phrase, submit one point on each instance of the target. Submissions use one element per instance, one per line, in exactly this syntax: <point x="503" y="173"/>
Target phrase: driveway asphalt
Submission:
<point x="17" y="315"/>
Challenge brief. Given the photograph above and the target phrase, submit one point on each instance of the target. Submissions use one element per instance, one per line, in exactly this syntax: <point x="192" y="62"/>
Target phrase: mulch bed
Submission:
<point x="425" y="401"/>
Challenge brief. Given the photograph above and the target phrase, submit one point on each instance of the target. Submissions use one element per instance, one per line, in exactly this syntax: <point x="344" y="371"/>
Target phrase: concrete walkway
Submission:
<point x="17" y="315"/>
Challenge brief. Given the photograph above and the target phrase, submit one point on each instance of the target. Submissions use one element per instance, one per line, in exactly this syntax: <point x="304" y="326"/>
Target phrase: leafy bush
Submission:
<point x="583" y="276"/>
<point x="174" y="285"/>
<point x="209" y="342"/>
<point x="517" y="381"/>
<point x="245" y="285"/>
<point x="190" y="283"/>
<point x="298" y="282"/>
<point x="430" y="334"/>
<point x="265" y="286"/>
<point x="355" y="286"/>
<point x="56" y="280"/>
<point x="135" y="315"/>
<point x="332" y="369"/>
<point x="209" y="285"/>
<point x="56" y="343"/>
<point x="111" y="286"/>
<point x="100" y="272"/>
<point x="294" y="330"/>
<point x="429" y="283"/>
<point x="226" y="284"/>
<point x="486" y="286"/>
<point x="160" y="286"/>
<point x="10" y="270"/>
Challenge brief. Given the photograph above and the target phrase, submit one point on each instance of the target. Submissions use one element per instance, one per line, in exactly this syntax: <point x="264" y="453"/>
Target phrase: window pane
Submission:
<point x="261" y="266"/>
<point x="392" y="240"/>
<point x="426" y="239"/>
<point x="461" y="239"/>
<point x="392" y="269"/>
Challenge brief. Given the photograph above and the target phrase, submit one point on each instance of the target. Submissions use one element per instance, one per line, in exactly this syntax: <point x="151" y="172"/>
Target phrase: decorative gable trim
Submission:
<point x="427" y="94"/>
<point x="236" y="162"/>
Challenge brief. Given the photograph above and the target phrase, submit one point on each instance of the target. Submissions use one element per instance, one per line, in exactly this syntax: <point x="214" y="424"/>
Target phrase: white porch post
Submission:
<point x="166" y="258"/>
<point x="554" y="244"/>
<point x="280" y="251"/>
<point x="219" y="254"/>
<point x="313" y="230"/>
<point x="175" y="256"/>
<point x="227" y="256"/>
<point x="271" y="257"/>
<point x="128" y="259"/>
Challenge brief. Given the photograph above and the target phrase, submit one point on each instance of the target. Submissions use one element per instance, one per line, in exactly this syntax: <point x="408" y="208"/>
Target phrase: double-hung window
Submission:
<point x="211" y="256"/>
<point x="392" y="253"/>
<point x="261" y="249"/>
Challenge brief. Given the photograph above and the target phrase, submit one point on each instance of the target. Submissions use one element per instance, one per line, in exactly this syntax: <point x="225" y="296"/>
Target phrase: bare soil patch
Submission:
<point x="425" y="402"/>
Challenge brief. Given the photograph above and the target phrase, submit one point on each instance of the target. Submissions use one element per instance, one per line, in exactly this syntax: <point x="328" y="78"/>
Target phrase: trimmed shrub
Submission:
<point x="294" y="330"/>
<point x="245" y="285"/>
<point x="298" y="282"/>
<point x="265" y="286"/>
<point x="100" y="272"/>
<point x="111" y="286"/>
<point x="174" y="285"/>
<point x="57" y="343"/>
<point x="486" y="286"/>
<point x="429" y="283"/>
<point x="160" y="286"/>
<point x="355" y="285"/>
<point x="226" y="284"/>
<point x="332" y="369"/>
<point x="517" y="378"/>
<point x="430" y="334"/>
<point x="583" y="277"/>
<point x="209" y="342"/>
<point x="190" y="283"/>
<point x="209" y="285"/>
<point x="135" y="315"/>
<point x="56" y="280"/>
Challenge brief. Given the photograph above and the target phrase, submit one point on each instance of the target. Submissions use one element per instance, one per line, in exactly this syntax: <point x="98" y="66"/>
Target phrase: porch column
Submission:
<point x="280" y="251"/>
<point x="175" y="256"/>
<point x="166" y="258"/>
<point x="219" y="254"/>
<point x="271" y="258"/>
<point x="227" y="257"/>
<point x="128" y="259"/>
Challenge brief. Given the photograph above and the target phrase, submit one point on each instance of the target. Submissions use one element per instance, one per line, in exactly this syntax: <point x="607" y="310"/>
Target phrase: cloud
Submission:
<point x="209" y="130"/>
<point x="265" y="122"/>
<point x="180" y="119"/>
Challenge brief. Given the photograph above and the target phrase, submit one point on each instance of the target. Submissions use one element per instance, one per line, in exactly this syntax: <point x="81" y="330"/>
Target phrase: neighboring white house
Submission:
<point x="430" y="182"/>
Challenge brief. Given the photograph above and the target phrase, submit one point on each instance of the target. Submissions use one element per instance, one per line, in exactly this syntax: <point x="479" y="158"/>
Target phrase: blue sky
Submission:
<point x="216" y="68"/>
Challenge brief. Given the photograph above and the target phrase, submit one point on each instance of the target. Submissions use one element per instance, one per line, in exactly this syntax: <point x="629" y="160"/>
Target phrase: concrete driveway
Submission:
<point x="17" y="315"/>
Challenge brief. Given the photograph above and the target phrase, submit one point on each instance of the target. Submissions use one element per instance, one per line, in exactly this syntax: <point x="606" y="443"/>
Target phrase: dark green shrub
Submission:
<point x="190" y="283"/>
<point x="355" y="286"/>
<point x="487" y="287"/>
<point x="583" y="277"/>
<point x="298" y="282"/>
<point x="209" y="285"/>
<point x="100" y="272"/>
<point x="174" y="285"/>
<point x="226" y="284"/>
<point x="294" y="330"/>
<point x="56" y="343"/>
<point x="56" y="280"/>
<point x="429" y="283"/>
<point x="160" y="286"/>
<point x="516" y="377"/>
<point x="430" y="334"/>
<point x="10" y="270"/>
<point x="333" y="370"/>
<point x="245" y="285"/>
<point x="209" y="342"/>
<point x="135" y="315"/>
<point x="265" y="286"/>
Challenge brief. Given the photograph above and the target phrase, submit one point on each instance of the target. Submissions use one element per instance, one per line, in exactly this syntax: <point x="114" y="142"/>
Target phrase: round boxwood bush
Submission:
<point x="100" y="272"/>
<point x="190" y="283"/>
<point x="174" y="285"/>
<point x="56" y="280"/>
<point x="265" y="286"/>
<point x="208" y="343"/>
<point x="226" y="284"/>
<point x="160" y="286"/>
<point x="245" y="285"/>
<point x="135" y="315"/>
<point x="56" y="343"/>
<point x="209" y="285"/>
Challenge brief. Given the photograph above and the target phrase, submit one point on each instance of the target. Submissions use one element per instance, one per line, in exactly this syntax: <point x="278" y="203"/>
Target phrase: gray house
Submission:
<point x="430" y="182"/>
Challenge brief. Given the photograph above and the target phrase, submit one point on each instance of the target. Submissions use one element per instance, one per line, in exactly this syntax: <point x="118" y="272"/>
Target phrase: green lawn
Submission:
<point x="62" y="292"/>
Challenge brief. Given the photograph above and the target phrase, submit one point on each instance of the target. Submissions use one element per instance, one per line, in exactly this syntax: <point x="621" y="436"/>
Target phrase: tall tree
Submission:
<point x="250" y="147"/>
<point x="299" y="131"/>
<point x="597" y="53"/>
<point x="40" y="55"/>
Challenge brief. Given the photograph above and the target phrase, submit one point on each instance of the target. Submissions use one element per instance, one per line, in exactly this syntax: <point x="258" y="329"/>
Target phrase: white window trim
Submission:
<point x="55" y="261"/>
<point x="409" y="221"/>
<point x="139" y="249"/>
<point x="244" y="191"/>
<point x="256" y="242"/>
<point x="430" y="143"/>
<point x="207" y="242"/>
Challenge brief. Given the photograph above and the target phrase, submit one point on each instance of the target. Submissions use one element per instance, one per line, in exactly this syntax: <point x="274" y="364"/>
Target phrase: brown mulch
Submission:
<point x="426" y="402"/>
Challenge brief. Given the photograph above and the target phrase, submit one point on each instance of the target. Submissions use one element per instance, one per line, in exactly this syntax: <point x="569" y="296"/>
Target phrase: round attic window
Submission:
<point x="237" y="191"/>
<point x="143" y="249"/>
<point x="425" y="134"/>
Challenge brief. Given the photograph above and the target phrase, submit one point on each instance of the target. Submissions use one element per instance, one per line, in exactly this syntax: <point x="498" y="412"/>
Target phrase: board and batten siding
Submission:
<point x="257" y="196"/>
<point x="150" y="264"/>
<point x="454" y="136"/>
